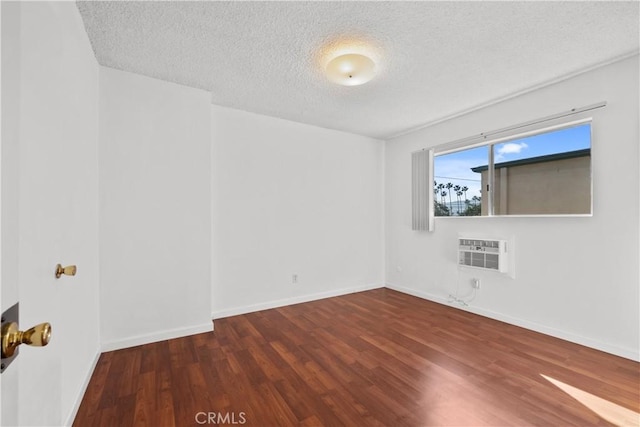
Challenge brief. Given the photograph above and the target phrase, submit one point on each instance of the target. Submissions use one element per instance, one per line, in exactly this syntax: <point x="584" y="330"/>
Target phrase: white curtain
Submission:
<point x="422" y="190"/>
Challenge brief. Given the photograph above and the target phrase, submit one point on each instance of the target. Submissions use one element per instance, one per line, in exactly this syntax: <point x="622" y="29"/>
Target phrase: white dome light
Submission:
<point x="351" y="69"/>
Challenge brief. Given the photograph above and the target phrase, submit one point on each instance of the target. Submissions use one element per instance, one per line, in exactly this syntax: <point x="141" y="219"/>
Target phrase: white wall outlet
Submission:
<point x="294" y="278"/>
<point x="475" y="283"/>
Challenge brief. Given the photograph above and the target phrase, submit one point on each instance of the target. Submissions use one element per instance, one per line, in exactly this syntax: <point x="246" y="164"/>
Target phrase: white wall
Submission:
<point x="575" y="278"/>
<point x="50" y="172"/>
<point x="292" y="199"/>
<point x="155" y="217"/>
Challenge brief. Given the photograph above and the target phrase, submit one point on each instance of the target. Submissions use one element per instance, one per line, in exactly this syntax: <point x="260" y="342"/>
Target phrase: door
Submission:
<point x="9" y="130"/>
<point x="49" y="206"/>
<point x="32" y="233"/>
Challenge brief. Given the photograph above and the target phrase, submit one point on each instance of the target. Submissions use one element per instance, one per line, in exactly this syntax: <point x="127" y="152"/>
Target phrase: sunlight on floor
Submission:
<point x="611" y="412"/>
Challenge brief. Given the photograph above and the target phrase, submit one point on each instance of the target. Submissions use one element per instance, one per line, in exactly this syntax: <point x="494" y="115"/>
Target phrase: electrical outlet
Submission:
<point x="475" y="283"/>
<point x="294" y="279"/>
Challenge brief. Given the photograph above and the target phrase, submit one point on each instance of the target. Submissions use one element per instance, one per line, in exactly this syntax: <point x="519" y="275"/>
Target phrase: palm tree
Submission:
<point x="473" y="207"/>
<point x="459" y="193"/>
<point x="464" y="190"/>
<point x="448" y="187"/>
<point x="456" y="188"/>
<point x="440" y="187"/>
<point x="444" y="194"/>
<point x="439" y="209"/>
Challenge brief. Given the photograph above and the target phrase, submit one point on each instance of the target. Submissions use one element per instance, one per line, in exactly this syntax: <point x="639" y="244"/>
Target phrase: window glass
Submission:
<point x="544" y="174"/>
<point x="548" y="173"/>
<point x="456" y="185"/>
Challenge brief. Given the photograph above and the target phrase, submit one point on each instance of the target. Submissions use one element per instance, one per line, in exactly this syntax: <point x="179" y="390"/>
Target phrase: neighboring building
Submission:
<point x="552" y="184"/>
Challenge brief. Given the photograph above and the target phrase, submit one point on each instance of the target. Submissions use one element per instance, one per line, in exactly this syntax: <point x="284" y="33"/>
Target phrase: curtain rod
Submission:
<point x="485" y="135"/>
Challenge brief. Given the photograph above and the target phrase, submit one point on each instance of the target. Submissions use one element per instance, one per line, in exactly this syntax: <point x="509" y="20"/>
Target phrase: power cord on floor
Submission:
<point x="456" y="299"/>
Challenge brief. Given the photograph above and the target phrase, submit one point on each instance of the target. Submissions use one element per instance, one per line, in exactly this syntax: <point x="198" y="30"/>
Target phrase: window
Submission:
<point x="546" y="173"/>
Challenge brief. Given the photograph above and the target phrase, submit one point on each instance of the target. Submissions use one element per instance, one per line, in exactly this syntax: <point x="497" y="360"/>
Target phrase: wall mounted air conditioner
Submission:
<point x="487" y="254"/>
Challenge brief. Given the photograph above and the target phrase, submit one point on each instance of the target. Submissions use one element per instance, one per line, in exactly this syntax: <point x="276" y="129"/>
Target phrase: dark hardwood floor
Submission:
<point x="372" y="358"/>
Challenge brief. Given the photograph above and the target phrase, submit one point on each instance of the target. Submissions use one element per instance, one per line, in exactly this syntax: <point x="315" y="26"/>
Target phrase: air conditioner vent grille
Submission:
<point x="488" y="254"/>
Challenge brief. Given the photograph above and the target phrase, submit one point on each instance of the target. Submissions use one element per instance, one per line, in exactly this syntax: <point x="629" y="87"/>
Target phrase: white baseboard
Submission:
<point x="417" y="293"/>
<point x="157" y="336"/>
<point x="290" y="301"/>
<point x="83" y="389"/>
<point x="567" y="336"/>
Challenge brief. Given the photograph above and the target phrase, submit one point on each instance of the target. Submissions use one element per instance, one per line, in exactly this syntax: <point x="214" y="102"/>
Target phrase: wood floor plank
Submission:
<point x="375" y="358"/>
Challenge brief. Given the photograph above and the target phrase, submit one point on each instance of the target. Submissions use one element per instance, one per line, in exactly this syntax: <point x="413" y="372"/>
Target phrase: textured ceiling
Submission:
<point x="435" y="59"/>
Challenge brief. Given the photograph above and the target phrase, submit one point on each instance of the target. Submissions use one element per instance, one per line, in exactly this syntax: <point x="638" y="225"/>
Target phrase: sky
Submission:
<point x="456" y="167"/>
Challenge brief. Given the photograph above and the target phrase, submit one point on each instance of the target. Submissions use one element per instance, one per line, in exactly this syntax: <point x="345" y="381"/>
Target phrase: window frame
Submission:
<point x="491" y="139"/>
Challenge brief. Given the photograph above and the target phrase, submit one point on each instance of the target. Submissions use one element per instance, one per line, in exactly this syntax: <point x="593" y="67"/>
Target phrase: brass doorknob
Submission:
<point x="69" y="270"/>
<point x="12" y="337"/>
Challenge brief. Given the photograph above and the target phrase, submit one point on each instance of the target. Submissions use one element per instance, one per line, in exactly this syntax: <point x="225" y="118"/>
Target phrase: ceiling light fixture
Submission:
<point x="351" y="69"/>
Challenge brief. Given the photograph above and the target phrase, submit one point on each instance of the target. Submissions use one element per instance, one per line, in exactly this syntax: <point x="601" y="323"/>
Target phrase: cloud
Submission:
<point x="509" y="148"/>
